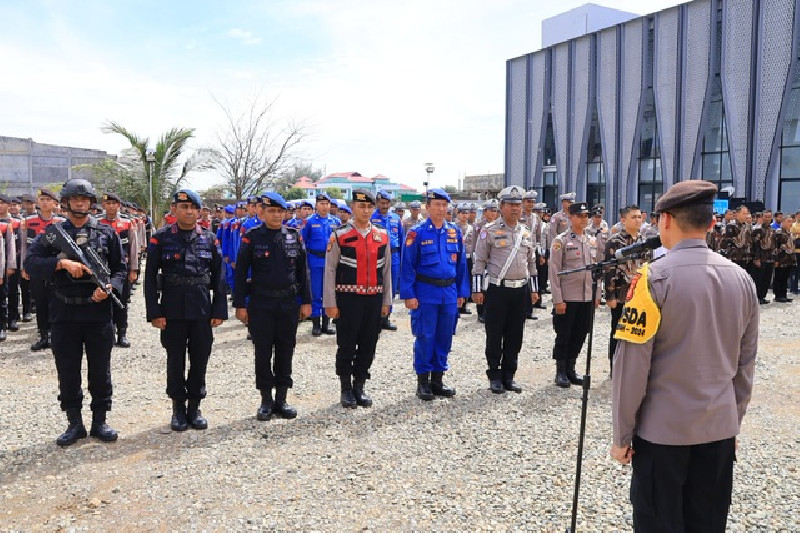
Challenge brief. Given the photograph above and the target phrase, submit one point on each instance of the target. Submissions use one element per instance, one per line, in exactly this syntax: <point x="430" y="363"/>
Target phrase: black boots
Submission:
<point x="388" y="324"/>
<point x="510" y="385"/>
<point x="100" y="429"/>
<point x="194" y="416"/>
<point x="573" y="378"/>
<point x="13" y="326"/>
<point x="179" y="422"/>
<point x="264" y="412"/>
<point x="424" y="391"/>
<point x="496" y="386"/>
<point x="122" y="340"/>
<point x="348" y="398"/>
<point x="316" y="329"/>
<point x="280" y="407"/>
<point x="561" y="374"/>
<point x="75" y="429"/>
<point x="43" y="342"/>
<point x="327" y="327"/>
<point x="358" y="392"/>
<point x="440" y="389"/>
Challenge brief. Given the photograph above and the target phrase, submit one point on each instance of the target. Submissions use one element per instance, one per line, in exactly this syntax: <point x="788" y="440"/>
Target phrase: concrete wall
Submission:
<point x="584" y="19"/>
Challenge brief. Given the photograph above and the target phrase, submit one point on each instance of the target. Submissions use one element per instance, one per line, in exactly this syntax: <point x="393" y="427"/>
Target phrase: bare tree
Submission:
<point x="255" y="148"/>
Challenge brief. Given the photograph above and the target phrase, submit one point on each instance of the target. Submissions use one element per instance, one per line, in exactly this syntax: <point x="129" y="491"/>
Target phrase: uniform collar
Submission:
<point x="690" y="243"/>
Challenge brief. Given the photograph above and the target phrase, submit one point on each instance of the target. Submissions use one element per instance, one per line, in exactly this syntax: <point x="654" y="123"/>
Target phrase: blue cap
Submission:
<point x="273" y="199"/>
<point x="345" y="208"/>
<point x="383" y="195"/>
<point x="230" y="208"/>
<point x="304" y="201"/>
<point x="187" y="195"/>
<point x="437" y="194"/>
<point x="241" y="205"/>
<point x="322" y="195"/>
<point x="252" y="199"/>
<point x="341" y="204"/>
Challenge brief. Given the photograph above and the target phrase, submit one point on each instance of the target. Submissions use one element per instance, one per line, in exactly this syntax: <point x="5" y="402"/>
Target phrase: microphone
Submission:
<point x="636" y="248"/>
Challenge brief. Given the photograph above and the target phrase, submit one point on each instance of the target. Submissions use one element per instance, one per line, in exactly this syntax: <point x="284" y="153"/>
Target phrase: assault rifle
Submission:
<point x="99" y="272"/>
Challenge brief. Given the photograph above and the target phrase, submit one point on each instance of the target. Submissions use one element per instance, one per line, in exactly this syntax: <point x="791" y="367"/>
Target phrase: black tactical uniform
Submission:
<point x="78" y="322"/>
<point x="276" y="261"/>
<point x="184" y="267"/>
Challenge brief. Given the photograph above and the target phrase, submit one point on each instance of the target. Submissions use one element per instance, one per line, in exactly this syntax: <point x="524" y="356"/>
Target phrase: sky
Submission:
<point x="384" y="86"/>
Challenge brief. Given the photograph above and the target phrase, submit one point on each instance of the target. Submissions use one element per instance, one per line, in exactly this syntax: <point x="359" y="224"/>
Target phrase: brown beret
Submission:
<point x="48" y="192"/>
<point x="684" y="193"/>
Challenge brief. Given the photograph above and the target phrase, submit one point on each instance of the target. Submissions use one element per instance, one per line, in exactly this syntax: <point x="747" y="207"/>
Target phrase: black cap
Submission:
<point x="49" y="193"/>
<point x="5" y="198"/>
<point x="578" y="208"/>
<point x="112" y="196"/>
<point x="363" y="195"/>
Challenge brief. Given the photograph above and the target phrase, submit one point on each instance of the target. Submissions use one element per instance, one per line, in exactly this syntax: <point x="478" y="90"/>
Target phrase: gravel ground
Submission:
<point x="475" y="462"/>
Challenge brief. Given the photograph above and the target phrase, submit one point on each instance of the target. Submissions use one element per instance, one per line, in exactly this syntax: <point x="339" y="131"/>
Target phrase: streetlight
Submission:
<point x="429" y="168"/>
<point x="150" y="157"/>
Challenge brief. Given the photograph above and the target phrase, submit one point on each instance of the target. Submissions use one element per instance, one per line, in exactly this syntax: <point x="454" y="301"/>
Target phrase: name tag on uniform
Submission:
<point x="376" y="237"/>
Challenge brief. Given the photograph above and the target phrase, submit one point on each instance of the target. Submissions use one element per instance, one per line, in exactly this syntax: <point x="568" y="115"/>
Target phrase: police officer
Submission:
<point x="304" y="209"/>
<point x="785" y="260"/>
<point x="316" y="234"/>
<point x="469" y="243"/>
<point x="598" y="228"/>
<point x="14" y="266"/>
<point x="8" y="243"/>
<point x="345" y="213"/>
<point x="559" y="222"/>
<point x="434" y="283"/>
<point x="762" y="240"/>
<point x="358" y="292"/>
<point x="414" y="217"/>
<point x="130" y="246"/>
<point x="268" y="304"/>
<point x="382" y="218"/>
<point x="572" y="294"/>
<point x="505" y="250"/>
<point x="33" y="226"/>
<point x="490" y="214"/>
<point x="222" y="237"/>
<point x="542" y="252"/>
<point x="184" y="266"/>
<point x="80" y="312"/>
<point x="400" y="210"/>
<point x="683" y="377"/>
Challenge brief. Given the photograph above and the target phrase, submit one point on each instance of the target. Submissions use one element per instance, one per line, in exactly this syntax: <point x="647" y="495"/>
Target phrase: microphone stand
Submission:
<point x="597" y="270"/>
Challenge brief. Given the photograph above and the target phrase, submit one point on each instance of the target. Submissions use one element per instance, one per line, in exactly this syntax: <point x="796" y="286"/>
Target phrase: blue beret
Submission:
<point x="341" y="204"/>
<point x="304" y="201"/>
<point x="187" y="195"/>
<point x="230" y="208"/>
<point x="322" y="195"/>
<point x="273" y="199"/>
<point x="346" y="209"/>
<point x="383" y="195"/>
<point x="437" y="194"/>
<point x="252" y="199"/>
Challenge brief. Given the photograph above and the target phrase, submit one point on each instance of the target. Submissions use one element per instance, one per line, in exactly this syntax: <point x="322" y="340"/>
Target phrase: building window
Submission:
<point x="716" y="157"/>
<point x="595" y="179"/>
<point x="651" y="185"/>
<point x="548" y="192"/>
<point x="789" y="187"/>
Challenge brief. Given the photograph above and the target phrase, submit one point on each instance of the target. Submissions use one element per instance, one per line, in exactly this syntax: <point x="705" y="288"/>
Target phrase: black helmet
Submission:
<point x="78" y="187"/>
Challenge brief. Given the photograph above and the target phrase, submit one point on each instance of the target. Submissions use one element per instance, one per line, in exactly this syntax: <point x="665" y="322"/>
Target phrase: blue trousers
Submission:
<point x="317" y="275"/>
<point x="230" y="279"/>
<point x="433" y="326"/>
<point x="396" y="262"/>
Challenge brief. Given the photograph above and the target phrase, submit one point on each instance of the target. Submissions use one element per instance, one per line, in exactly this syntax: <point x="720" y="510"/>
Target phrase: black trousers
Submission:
<point x="762" y="276"/>
<point x="571" y="329"/>
<point x="616" y="313"/>
<point x="42" y="294"/>
<point x="121" y="314"/>
<point x="505" y="321"/>
<point x="13" y="295"/>
<point x="25" y="289"/>
<point x="274" y="328"/>
<point x="357" y="331"/>
<point x="780" y="285"/>
<point x="69" y="341"/>
<point x="176" y="338"/>
<point x="541" y="276"/>
<point x="3" y="301"/>
<point x="682" y="488"/>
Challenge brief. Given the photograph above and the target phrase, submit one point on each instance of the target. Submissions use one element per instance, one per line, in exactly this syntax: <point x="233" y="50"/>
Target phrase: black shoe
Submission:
<point x="561" y="374"/>
<point x="3" y="335"/>
<point x="573" y="378"/>
<point x="13" y="326"/>
<point x="361" y="397"/>
<point x="440" y="389"/>
<point x="100" y="429"/>
<point x="280" y="407"/>
<point x="464" y="311"/>
<point x="194" y="416"/>
<point x="763" y="301"/>
<point x="179" y="422"/>
<point x="388" y="324"/>
<point x="424" y="391"/>
<point x="43" y="343"/>
<point x="27" y="317"/>
<point x="122" y="340"/>
<point x="531" y="317"/>
<point x="496" y="386"/>
<point x="348" y="399"/>
<point x="539" y="305"/>
<point x="511" y="385"/>
<point x="264" y="412"/>
<point x="75" y="430"/>
<point x="777" y="300"/>
<point x="316" y="329"/>
<point x="327" y="327"/>
<point x="481" y="319"/>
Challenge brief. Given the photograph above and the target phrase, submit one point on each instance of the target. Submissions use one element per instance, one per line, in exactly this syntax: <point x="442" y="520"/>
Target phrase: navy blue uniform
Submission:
<point x="277" y="262"/>
<point x="76" y="321"/>
<point x="434" y="271"/>
<point x="189" y="266"/>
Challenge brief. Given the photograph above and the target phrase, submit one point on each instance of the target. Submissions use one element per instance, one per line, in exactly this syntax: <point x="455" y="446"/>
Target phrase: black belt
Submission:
<point x="276" y="293"/>
<point x="395" y="250"/>
<point x="318" y="254"/>
<point x="188" y="281"/>
<point x="436" y="282"/>
<point x="73" y="300"/>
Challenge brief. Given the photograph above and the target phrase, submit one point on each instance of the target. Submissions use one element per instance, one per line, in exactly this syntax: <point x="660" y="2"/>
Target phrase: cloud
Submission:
<point x="246" y="37"/>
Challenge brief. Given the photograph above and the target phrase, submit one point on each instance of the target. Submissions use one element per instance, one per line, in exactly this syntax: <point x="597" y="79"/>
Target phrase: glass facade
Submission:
<point x="548" y="192"/>
<point x="651" y="184"/>
<point x="595" y="178"/>
<point x="789" y="185"/>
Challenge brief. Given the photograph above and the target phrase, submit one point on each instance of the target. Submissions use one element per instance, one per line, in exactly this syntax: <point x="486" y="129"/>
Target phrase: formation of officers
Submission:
<point x="339" y="264"/>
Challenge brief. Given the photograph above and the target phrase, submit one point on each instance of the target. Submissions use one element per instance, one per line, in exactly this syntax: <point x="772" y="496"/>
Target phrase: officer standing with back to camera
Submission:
<point x="268" y="304"/>
<point x="683" y="372"/>
<point x="80" y="312"/>
<point x="505" y="250"/>
<point x="572" y="294"/>
<point x="434" y="282"/>
<point x="358" y="292"/>
<point x="184" y="266"/>
<point x="382" y="218"/>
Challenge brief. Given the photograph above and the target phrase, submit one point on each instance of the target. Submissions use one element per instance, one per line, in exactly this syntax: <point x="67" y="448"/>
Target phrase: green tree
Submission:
<point x="294" y="194"/>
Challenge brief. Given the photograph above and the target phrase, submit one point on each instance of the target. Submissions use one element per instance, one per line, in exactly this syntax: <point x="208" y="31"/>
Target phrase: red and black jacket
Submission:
<point x="360" y="268"/>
